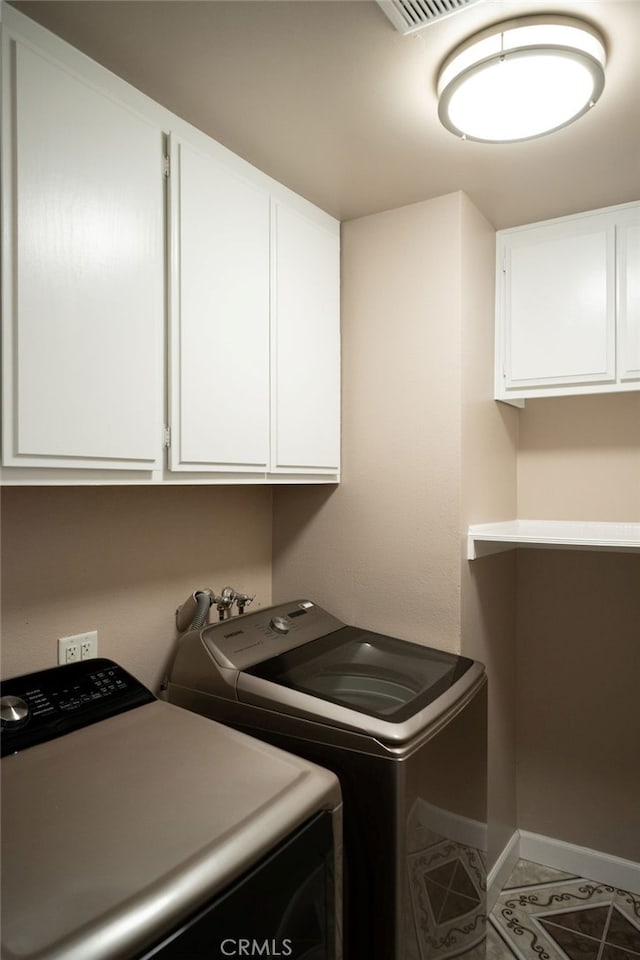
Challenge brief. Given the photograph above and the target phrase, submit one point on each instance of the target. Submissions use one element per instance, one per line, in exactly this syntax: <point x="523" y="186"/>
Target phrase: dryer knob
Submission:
<point x="13" y="710"/>
<point x="280" y="625"/>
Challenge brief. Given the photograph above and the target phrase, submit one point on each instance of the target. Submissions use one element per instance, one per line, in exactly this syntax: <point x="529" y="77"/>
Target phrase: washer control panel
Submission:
<point x="42" y="706"/>
<point x="243" y="641"/>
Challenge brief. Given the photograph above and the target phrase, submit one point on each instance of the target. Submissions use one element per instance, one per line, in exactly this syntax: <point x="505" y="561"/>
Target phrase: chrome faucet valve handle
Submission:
<point x="243" y="600"/>
<point x="225" y="601"/>
<point x="220" y="606"/>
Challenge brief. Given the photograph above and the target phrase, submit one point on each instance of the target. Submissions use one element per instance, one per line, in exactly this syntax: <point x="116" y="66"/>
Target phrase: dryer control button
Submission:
<point x="13" y="710"/>
<point x="280" y="625"/>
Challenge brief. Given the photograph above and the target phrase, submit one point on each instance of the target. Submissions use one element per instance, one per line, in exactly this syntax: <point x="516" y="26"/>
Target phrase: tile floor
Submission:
<point x="543" y="914"/>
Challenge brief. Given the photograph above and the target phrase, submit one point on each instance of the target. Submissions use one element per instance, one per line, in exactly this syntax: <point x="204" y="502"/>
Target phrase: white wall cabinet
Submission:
<point x="231" y="341"/>
<point x="219" y="329"/>
<point x="83" y="273"/>
<point x="305" y="344"/>
<point x="254" y="328"/>
<point x="568" y="305"/>
<point x="628" y="236"/>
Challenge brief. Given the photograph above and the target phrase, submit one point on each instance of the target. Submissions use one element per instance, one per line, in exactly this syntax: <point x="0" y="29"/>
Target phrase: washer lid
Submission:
<point x="360" y="680"/>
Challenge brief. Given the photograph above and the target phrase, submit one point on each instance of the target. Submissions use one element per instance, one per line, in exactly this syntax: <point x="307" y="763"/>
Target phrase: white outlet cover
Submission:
<point x="80" y="646"/>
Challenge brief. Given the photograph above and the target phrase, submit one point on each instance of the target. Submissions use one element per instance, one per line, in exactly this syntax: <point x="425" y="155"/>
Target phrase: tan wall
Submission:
<point x="383" y="549"/>
<point x="579" y="627"/>
<point x="578" y="704"/>
<point x="488" y="477"/>
<point x="579" y="458"/>
<point x="120" y="560"/>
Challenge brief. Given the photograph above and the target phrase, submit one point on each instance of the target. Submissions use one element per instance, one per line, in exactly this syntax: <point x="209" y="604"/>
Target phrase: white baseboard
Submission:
<point x="501" y="870"/>
<point x="592" y="864"/>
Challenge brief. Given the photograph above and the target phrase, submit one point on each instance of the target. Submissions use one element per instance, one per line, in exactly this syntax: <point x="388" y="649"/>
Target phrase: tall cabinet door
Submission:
<point x="305" y="428"/>
<point x="219" y="336"/>
<point x="628" y="237"/>
<point x="560" y="304"/>
<point x="84" y="274"/>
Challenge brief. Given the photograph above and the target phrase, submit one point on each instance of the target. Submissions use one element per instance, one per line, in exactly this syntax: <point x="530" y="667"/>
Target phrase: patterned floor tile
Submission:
<point x="497" y="949"/>
<point x="590" y="922"/>
<point x="543" y="914"/>
<point x="575" y="945"/>
<point x="526" y="872"/>
<point x="622" y="932"/>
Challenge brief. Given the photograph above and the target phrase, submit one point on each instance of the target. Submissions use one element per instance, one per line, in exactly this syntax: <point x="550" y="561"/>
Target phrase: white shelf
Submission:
<point x="487" y="538"/>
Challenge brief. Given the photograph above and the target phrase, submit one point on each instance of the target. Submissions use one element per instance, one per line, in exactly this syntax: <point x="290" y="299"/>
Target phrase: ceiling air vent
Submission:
<point x="410" y="15"/>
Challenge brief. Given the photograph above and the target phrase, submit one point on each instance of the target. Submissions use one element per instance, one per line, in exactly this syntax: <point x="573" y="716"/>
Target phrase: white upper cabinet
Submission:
<point x="567" y="305"/>
<point x="254" y="324"/>
<point x="219" y="330"/>
<point x="629" y="296"/>
<point x="83" y="273"/>
<point x="170" y="313"/>
<point x="305" y="430"/>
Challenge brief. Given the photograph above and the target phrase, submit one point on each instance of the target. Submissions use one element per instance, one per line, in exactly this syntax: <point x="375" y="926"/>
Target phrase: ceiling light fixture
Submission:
<point x="521" y="79"/>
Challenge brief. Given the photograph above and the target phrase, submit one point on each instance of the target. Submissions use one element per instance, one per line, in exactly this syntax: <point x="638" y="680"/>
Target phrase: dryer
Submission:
<point x="132" y="828"/>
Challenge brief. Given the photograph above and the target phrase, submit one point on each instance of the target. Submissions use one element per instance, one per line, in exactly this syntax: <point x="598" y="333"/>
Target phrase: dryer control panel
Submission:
<point x="41" y="706"/>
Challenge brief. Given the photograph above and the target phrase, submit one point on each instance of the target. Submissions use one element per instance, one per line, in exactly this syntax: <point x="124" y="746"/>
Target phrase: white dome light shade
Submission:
<point x="521" y="80"/>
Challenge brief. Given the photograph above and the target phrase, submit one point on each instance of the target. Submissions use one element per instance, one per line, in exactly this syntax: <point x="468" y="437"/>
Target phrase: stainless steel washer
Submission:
<point x="403" y="726"/>
<point x="134" y="829"/>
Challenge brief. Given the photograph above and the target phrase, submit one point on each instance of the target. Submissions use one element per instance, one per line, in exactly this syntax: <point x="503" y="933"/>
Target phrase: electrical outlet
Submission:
<point x="82" y="646"/>
<point x="68" y="650"/>
<point x="89" y="645"/>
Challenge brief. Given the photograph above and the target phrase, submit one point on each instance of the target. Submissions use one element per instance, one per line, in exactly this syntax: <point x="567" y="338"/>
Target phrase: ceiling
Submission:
<point x="327" y="97"/>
